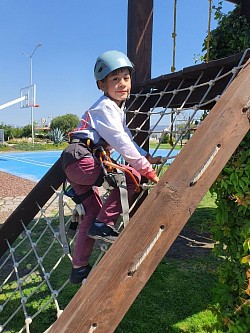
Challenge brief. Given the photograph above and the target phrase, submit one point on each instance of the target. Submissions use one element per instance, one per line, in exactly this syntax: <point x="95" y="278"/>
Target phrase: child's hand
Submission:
<point x="155" y="179"/>
<point x="154" y="160"/>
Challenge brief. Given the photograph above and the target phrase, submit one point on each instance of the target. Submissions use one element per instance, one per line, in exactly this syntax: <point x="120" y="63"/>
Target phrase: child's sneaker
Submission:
<point x="79" y="274"/>
<point x="100" y="230"/>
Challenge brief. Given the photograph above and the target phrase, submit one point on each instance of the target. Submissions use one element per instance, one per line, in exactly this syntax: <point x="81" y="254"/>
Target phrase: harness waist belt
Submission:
<point x="87" y="142"/>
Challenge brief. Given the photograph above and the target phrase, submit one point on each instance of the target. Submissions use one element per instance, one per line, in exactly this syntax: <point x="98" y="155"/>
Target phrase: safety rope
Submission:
<point x="209" y="29"/>
<point x="174" y="35"/>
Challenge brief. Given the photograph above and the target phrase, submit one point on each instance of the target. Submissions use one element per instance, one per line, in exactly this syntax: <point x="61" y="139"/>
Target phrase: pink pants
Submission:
<point x="82" y="176"/>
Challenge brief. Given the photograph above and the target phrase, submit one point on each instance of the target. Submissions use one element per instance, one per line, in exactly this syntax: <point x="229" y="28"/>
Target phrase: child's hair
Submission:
<point x="118" y="71"/>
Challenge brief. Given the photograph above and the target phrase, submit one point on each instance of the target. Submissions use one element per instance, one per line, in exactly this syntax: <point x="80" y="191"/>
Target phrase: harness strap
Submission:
<point x="78" y="199"/>
<point x="121" y="183"/>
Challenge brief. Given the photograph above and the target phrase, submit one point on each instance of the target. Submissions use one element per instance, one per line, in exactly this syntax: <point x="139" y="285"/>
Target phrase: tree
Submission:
<point x="65" y="123"/>
<point x="26" y="131"/>
<point x="231" y="36"/>
<point x="165" y="137"/>
<point x="11" y="132"/>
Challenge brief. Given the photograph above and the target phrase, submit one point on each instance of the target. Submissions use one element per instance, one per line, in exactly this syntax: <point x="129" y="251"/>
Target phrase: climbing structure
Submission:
<point x="30" y="274"/>
<point x="35" y="263"/>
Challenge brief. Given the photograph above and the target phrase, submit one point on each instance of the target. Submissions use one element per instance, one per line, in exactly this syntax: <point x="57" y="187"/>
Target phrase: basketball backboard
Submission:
<point x="30" y="96"/>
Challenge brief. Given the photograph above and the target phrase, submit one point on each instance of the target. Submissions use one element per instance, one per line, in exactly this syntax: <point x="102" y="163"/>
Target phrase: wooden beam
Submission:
<point x="113" y="285"/>
<point x="236" y="2"/>
<point x="29" y="207"/>
<point x="244" y="7"/>
<point x="139" y="37"/>
<point x="139" y="45"/>
<point x="139" y="49"/>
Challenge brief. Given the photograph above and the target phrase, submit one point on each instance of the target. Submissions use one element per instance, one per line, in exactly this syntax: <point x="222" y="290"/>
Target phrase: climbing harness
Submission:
<point x="112" y="176"/>
<point x="110" y="169"/>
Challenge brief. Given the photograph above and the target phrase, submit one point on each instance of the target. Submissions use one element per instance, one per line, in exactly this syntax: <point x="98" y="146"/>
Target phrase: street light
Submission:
<point x="31" y="82"/>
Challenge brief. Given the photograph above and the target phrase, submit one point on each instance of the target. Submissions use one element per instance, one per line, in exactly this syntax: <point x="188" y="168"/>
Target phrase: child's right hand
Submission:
<point x="155" y="179"/>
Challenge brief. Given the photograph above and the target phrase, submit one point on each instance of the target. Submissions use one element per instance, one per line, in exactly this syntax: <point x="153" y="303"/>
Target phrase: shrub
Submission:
<point x="57" y="136"/>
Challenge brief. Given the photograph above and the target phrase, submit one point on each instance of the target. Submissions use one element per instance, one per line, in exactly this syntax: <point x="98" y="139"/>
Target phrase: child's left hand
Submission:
<point x="154" y="160"/>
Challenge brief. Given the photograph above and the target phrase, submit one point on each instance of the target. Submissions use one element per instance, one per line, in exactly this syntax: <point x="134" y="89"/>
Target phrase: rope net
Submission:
<point x="34" y="285"/>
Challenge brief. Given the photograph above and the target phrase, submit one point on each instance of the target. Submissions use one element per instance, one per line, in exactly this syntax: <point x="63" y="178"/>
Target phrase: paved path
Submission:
<point x="9" y="204"/>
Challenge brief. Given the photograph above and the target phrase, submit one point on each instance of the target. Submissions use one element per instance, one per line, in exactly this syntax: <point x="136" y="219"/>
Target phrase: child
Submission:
<point x="104" y="124"/>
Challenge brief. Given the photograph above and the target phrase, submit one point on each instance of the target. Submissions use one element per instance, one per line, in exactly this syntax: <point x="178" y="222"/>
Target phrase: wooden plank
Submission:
<point x="28" y="208"/>
<point x="113" y="285"/>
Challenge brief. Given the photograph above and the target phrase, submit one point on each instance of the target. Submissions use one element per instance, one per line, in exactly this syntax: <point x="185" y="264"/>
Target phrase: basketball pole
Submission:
<point x="31" y="82"/>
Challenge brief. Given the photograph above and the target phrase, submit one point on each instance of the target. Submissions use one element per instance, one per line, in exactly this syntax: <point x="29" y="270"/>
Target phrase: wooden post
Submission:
<point x="113" y="285"/>
<point x="139" y="36"/>
<point x="139" y="46"/>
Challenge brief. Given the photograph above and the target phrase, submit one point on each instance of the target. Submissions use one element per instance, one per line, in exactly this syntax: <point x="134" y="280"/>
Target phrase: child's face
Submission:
<point x="117" y="85"/>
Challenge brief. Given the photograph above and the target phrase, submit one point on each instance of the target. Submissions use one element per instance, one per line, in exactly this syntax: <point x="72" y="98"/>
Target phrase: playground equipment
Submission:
<point x="177" y="195"/>
<point x="33" y="262"/>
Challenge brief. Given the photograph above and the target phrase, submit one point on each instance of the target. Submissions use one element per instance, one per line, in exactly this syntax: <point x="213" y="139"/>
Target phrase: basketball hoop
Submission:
<point x="29" y="94"/>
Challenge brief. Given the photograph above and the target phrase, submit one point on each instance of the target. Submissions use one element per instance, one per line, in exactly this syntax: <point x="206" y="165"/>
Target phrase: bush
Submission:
<point x="232" y="229"/>
<point x="232" y="236"/>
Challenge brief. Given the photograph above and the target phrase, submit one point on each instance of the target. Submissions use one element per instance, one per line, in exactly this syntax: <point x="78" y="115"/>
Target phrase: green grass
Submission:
<point x="153" y="145"/>
<point x="177" y="298"/>
<point x="35" y="147"/>
<point x="50" y="146"/>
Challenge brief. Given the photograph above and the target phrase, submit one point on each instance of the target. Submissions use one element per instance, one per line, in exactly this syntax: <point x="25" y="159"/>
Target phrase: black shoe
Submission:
<point x="79" y="274"/>
<point x="103" y="232"/>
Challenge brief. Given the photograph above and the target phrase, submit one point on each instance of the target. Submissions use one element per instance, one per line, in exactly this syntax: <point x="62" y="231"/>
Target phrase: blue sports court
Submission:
<point x="34" y="165"/>
<point x="28" y="165"/>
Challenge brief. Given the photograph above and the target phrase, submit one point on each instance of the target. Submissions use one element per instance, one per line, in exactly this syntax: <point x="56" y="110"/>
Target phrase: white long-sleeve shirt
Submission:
<point x="106" y="120"/>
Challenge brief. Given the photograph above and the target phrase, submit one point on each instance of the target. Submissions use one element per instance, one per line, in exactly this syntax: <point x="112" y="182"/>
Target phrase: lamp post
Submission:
<point x="31" y="82"/>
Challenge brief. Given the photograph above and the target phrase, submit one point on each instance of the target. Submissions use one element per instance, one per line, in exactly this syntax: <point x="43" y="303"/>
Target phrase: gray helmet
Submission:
<point x="109" y="61"/>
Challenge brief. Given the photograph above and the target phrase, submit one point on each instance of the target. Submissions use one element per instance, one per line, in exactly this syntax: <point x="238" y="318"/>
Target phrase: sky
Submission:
<point x="73" y="33"/>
